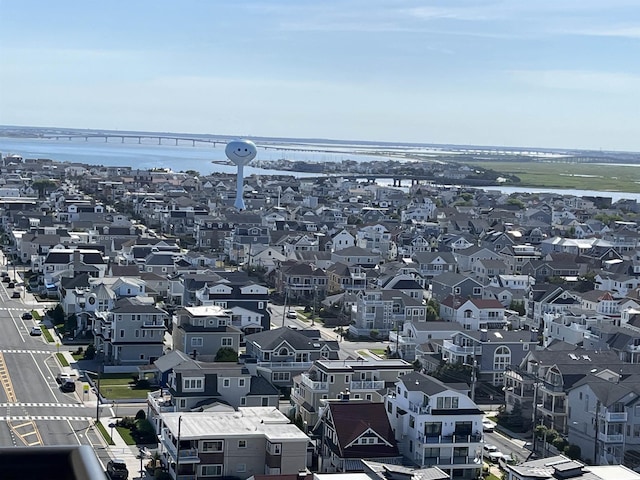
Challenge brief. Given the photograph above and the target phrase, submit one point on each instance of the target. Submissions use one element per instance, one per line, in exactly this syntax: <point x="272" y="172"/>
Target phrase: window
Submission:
<point x="212" y="446"/>
<point x="121" y="333"/>
<point x="265" y="401"/>
<point x="280" y="376"/>
<point x="242" y="444"/>
<point x="243" y="401"/>
<point x="501" y="360"/>
<point x="447" y="402"/>
<point x="226" y="382"/>
<point x="274" y="448"/>
<point x="227" y="341"/>
<point x="211" y="470"/>
<point x="192" y="384"/>
<point x="260" y="305"/>
<point x="241" y="467"/>
<point x="183" y="403"/>
<point x="242" y="382"/>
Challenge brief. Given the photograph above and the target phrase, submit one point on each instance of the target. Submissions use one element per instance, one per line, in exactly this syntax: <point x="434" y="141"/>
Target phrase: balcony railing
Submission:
<point x="312" y="384"/>
<point x="419" y="409"/>
<point x="367" y="385"/>
<point x="286" y="365"/>
<point x="434" y="439"/>
<point x="610" y="438"/>
<point x="152" y="324"/>
<point x="160" y="403"/>
<point x="615" y="416"/>
<point x="460" y="350"/>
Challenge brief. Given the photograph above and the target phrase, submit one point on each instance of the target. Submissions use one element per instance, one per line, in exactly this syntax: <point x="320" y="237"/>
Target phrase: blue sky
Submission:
<point x="545" y="73"/>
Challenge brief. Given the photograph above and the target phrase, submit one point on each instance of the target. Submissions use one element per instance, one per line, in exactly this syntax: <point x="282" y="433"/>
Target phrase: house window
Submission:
<point x="243" y="401"/>
<point x="242" y="444"/>
<point x="241" y="382"/>
<point x="227" y="341"/>
<point x="183" y="403"/>
<point x="211" y="470"/>
<point x="280" y="376"/>
<point x="121" y="333"/>
<point x="260" y="305"/>
<point x="477" y="290"/>
<point x="447" y="402"/>
<point x="274" y="448"/>
<point x="241" y="467"/>
<point x="192" y="384"/>
<point x="265" y="401"/>
<point x="226" y="382"/>
<point x="212" y="446"/>
<point x="456" y="291"/>
<point x="196" y="341"/>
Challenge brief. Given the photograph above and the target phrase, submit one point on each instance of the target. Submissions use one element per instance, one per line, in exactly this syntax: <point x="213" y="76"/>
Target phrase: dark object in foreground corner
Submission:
<point x="55" y="463"/>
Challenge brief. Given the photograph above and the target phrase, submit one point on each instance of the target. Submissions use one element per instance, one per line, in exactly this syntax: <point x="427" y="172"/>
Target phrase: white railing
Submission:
<point x="312" y="384"/>
<point x="367" y="385"/>
<point x="615" y="438"/>
<point x="616" y="416"/>
<point x="286" y="365"/>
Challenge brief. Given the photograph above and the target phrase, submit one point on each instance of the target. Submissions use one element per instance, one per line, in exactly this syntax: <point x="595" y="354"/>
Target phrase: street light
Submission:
<point x="97" y="374"/>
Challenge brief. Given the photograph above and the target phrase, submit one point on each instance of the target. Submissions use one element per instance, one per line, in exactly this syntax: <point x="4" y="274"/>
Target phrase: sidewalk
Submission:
<point x="120" y="449"/>
<point x="128" y="453"/>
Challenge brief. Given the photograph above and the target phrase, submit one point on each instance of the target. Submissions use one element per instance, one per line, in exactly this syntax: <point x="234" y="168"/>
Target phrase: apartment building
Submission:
<point x="362" y="379"/>
<point x="251" y="441"/>
<point x="436" y="424"/>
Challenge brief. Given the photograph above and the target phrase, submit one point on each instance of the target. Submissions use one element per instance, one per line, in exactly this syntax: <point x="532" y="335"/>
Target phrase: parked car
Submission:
<point x="292" y="314"/>
<point x="64" y="376"/>
<point x="69" y="385"/>
<point x="27" y="316"/>
<point x="35" y="331"/>
<point x="6" y="279"/>
<point x="491" y="453"/>
<point x="11" y="285"/>
<point x="117" y="469"/>
<point x="15" y="294"/>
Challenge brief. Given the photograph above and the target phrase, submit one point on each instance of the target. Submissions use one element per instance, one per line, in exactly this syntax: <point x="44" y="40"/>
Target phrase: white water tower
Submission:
<point x="240" y="152"/>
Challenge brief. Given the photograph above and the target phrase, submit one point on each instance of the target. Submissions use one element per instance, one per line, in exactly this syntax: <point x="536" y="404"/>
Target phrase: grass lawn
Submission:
<point x="588" y="176"/>
<point x="491" y="476"/>
<point x="62" y="360"/>
<point x="381" y="352"/>
<point x="125" y="433"/>
<point x="104" y="433"/>
<point x="47" y="334"/>
<point x="77" y="356"/>
<point x="114" y="386"/>
<point x="363" y="353"/>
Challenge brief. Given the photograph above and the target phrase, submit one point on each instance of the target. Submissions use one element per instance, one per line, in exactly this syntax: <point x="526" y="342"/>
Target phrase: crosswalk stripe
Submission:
<point x="26" y="351"/>
<point x="45" y="417"/>
<point x="41" y="404"/>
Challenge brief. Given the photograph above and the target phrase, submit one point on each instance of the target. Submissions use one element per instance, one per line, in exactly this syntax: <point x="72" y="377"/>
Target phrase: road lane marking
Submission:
<point x="5" y="379"/>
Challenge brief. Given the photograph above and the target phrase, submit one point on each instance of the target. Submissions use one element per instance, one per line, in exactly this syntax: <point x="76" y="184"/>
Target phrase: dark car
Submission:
<point x="6" y="279"/>
<point x="11" y="285"/>
<point x="68" y="385"/>
<point x="27" y="316"/>
<point x="15" y="294"/>
<point x="117" y="469"/>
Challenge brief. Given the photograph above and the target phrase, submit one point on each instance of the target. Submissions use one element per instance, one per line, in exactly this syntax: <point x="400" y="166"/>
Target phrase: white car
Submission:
<point x="488" y="426"/>
<point x="292" y="314"/>
<point x="492" y="453"/>
<point x="35" y="331"/>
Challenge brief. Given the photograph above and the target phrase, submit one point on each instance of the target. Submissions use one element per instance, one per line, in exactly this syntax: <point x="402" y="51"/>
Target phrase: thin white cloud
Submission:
<point x="612" y="31"/>
<point x="593" y="81"/>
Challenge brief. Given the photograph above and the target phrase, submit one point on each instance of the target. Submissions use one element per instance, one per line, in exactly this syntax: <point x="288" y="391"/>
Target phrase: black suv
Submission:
<point x="117" y="469"/>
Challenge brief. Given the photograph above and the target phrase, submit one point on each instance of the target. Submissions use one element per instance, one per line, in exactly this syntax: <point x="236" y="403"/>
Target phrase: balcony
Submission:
<point x="615" y="416"/>
<point x="367" y="385"/>
<point x="394" y="338"/>
<point x="462" y="460"/>
<point x="435" y="439"/>
<point x="285" y="365"/>
<point x="611" y="438"/>
<point x="153" y="324"/>
<point x="460" y="350"/>
<point x="314" y="385"/>
<point x="187" y="455"/>
<point x="419" y="409"/>
<point x="160" y="402"/>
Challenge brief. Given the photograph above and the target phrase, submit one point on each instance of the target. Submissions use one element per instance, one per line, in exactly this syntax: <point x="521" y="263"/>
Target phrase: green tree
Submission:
<point x="70" y="324"/>
<point x="517" y="306"/>
<point x="90" y="352"/>
<point x="57" y="315"/>
<point x="226" y="354"/>
<point x="573" y="452"/>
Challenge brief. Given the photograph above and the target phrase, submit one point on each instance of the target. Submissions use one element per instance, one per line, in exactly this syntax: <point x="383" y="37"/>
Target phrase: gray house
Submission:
<point x="456" y="285"/>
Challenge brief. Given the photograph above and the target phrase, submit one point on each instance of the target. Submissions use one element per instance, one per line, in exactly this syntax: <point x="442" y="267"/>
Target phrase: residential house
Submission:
<point x="473" y="313"/>
<point x="203" y="330"/>
<point x="131" y="333"/>
<point x="363" y="379"/>
<point x="352" y="431"/>
<point x="381" y="311"/>
<point x="240" y="444"/>
<point x="281" y="354"/>
<point x="436" y="424"/>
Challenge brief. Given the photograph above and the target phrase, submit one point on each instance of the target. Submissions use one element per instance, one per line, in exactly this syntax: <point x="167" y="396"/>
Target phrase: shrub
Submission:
<point x="560" y="443"/>
<point x="140" y="415"/>
<point x="144" y="383"/>
<point x="573" y="452"/>
<point x="126" y="422"/>
<point x="374" y="333"/>
<point x="90" y="352"/>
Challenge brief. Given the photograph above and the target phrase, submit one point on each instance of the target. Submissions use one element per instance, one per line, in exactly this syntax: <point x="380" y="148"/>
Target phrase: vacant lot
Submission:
<point x="586" y="176"/>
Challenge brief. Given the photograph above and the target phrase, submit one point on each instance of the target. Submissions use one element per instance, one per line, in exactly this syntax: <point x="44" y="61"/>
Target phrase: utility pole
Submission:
<point x="473" y="379"/>
<point x="595" y="436"/>
<point x="178" y="448"/>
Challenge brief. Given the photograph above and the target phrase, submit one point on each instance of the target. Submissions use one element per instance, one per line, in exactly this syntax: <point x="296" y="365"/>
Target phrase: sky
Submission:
<point x="539" y="73"/>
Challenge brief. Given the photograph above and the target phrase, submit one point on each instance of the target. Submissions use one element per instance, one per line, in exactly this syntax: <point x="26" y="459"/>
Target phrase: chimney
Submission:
<point x="484" y="335"/>
<point x="344" y="396"/>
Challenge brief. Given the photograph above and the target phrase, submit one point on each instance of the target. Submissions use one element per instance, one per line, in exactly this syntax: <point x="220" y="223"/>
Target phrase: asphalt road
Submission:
<point x="33" y="409"/>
